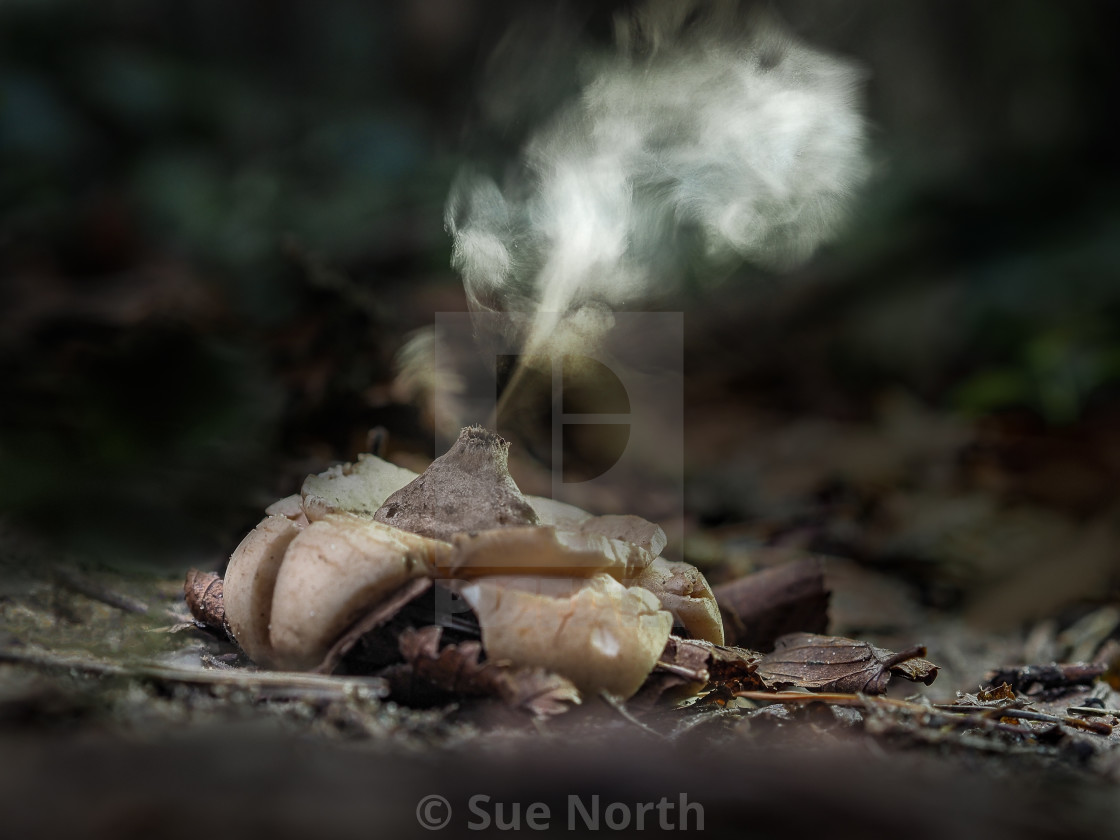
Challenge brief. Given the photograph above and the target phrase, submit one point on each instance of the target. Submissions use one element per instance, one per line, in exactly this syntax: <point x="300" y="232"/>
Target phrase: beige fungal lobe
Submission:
<point x="249" y="583"/>
<point x="359" y="488"/>
<point x="542" y="551"/>
<point x="602" y="636"/>
<point x="684" y="591"/>
<point x="468" y="488"/>
<point x="336" y="570"/>
<point x="290" y="507"/>
<point x="628" y="528"/>
<point x="559" y="514"/>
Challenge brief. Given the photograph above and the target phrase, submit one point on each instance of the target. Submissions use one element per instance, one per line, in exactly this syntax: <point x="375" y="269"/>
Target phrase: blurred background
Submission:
<point x="219" y="222"/>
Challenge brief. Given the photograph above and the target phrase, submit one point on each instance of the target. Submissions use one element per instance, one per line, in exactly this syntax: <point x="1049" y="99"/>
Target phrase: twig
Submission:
<point x="272" y="684"/>
<point x="1093" y="710"/>
<point x="688" y="673"/>
<point x="835" y="698"/>
<point x="1094" y="726"/>
<point x="975" y="713"/>
<point x="619" y="707"/>
<point x="75" y="582"/>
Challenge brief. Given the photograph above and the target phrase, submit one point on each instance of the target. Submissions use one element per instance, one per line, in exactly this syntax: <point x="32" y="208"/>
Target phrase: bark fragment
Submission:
<point x="1032" y="679"/>
<point x="759" y="608"/>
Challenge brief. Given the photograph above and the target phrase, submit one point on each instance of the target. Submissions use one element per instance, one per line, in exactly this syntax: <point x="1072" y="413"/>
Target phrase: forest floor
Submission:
<point x="111" y="699"/>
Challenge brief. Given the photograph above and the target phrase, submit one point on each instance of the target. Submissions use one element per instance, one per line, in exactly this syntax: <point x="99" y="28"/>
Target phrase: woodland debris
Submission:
<point x="83" y="585"/>
<point x="262" y="684"/>
<point x="836" y="664"/>
<point x="1003" y="711"/>
<point x="378" y="616"/>
<point x="759" y="608"/>
<point x="204" y="597"/>
<point x="914" y="718"/>
<point x="688" y="666"/>
<point x="456" y="669"/>
<point x="1036" y="679"/>
<point x="1093" y="711"/>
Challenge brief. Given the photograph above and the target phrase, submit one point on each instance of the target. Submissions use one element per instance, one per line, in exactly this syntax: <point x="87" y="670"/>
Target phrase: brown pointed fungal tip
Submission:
<point x="467" y="489"/>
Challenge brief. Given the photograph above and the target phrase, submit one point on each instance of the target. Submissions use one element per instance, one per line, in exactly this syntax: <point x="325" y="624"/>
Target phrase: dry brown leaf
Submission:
<point x="456" y="669"/>
<point x="833" y="663"/>
<point x="687" y="666"/>
<point x="995" y="694"/>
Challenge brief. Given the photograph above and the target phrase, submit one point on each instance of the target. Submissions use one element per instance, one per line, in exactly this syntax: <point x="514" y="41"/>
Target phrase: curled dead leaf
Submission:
<point x="456" y="669"/>
<point x="203" y="594"/>
<point x="833" y="663"/>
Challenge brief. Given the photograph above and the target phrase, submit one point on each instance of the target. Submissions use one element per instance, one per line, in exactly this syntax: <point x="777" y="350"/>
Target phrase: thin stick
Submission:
<point x="681" y="671"/>
<point x="1095" y="726"/>
<point x="91" y="589"/>
<point x="268" y="683"/>
<point x="618" y="706"/>
<point x="1093" y="710"/>
<point x="835" y="698"/>
<point x="984" y="712"/>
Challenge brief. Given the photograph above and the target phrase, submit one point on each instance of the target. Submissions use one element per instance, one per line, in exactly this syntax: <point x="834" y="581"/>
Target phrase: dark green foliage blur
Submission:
<point x="208" y="212"/>
<point x="218" y="221"/>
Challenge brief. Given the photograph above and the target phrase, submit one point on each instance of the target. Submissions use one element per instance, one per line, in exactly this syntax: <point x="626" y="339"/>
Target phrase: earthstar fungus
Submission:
<point x="552" y="586"/>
